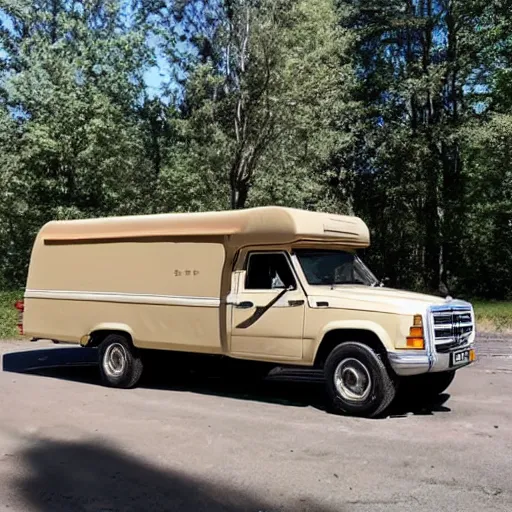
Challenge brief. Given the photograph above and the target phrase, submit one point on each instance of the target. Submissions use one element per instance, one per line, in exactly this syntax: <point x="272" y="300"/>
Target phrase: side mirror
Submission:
<point x="283" y="289"/>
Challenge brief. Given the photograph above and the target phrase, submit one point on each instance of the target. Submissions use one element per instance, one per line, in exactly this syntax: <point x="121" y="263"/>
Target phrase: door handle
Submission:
<point x="246" y="304"/>
<point x="295" y="302"/>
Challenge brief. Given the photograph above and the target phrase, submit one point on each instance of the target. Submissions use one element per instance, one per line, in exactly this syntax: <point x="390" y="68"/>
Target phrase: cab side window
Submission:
<point x="268" y="271"/>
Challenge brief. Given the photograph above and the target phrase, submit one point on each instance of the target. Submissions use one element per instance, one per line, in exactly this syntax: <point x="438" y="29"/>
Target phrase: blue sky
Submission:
<point x="154" y="78"/>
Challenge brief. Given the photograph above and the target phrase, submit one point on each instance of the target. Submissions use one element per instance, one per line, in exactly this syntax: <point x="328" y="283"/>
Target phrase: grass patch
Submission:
<point x="8" y="315"/>
<point x="493" y="316"/>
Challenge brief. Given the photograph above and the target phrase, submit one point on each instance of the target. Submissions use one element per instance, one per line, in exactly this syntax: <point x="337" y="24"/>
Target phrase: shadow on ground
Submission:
<point x="91" y="476"/>
<point x="406" y="405"/>
<point x="79" y="364"/>
<point x="71" y="363"/>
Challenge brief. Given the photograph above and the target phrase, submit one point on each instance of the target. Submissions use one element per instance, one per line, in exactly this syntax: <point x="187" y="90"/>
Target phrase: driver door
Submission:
<point x="268" y="309"/>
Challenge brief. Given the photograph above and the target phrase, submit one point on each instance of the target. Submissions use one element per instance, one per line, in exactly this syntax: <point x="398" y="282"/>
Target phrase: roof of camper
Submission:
<point x="252" y="225"/>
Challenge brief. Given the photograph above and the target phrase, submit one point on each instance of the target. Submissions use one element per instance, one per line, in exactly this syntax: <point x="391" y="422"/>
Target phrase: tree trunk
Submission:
<point x="431" y="116"/>
<point x="452" y="185"/>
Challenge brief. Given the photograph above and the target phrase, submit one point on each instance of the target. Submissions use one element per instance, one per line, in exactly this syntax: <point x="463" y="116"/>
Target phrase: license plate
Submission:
<point x="462" y="357"/>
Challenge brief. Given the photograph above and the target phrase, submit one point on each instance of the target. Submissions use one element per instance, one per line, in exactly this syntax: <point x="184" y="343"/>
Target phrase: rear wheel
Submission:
<point x="357" y="380"/>
<point x="120" y="363"/>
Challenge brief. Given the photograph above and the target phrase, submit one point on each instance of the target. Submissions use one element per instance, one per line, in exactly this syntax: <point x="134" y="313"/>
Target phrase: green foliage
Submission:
<point x="8" y="314"/>
<point x="259" y="102"/>
<point x="487" y="156"/>
<point x="72" y="143"/>
<point x="428" y="79"/>
<point x="399" y="112"/>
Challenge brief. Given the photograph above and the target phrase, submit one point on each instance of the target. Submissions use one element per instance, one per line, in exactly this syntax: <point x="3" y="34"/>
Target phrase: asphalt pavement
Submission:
<point x="207" y="444"/>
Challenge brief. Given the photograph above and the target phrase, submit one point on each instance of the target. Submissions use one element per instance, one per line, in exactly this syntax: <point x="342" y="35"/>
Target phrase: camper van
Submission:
<point x="273" y="285"/>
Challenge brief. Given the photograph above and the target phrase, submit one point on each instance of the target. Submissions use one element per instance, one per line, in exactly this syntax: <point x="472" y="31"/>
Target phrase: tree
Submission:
<point x="486" y="154"/>
<point x="261" y="87"/>
<point x="419" y="84"/>
<point x="72" y="144"/>
<point x="398" y="111"/>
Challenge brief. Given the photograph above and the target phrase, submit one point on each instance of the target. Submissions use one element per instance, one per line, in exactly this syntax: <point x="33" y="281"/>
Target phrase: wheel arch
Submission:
<point x="375" y="338"/>
<point x="101" y="331"/>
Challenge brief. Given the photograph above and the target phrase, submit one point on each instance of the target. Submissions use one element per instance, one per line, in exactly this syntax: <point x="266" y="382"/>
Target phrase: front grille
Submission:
<point x="452" y="327"/>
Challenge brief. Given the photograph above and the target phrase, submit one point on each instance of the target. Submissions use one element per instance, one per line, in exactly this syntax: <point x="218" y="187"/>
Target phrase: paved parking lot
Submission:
<point x="68" y="444"/>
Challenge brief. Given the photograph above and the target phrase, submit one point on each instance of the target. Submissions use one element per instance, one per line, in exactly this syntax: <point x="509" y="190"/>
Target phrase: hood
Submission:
<point x="384" y="300"/>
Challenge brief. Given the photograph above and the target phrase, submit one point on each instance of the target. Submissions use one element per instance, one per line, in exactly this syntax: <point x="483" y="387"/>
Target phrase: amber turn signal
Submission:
<point x="416" y="332"/>
<point x="415" y="339"/>
<point x="417" y="343"/>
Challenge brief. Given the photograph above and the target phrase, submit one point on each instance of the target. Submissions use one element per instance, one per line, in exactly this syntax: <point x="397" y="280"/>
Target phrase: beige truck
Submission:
<point x="269" y="285"/>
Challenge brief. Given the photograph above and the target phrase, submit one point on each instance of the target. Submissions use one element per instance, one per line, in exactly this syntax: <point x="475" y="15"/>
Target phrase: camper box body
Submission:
<point x="168" y="280"/>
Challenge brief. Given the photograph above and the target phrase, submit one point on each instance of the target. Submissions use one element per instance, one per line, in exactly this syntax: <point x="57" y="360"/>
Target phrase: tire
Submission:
<point x="357" y="381"/>
<point x="120" y="363"/>
<point x="428" y="385"/>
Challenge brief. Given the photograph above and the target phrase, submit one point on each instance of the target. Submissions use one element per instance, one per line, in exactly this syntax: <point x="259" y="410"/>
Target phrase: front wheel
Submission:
<point x="358" y="382"/>
<point x="120" y="363"/>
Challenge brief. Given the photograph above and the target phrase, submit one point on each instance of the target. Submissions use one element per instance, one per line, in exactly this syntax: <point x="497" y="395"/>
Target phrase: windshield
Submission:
<point x="334" y="267"/>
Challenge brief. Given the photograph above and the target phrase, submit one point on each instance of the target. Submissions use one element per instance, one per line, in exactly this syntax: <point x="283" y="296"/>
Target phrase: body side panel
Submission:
<point x="167" y="294"/>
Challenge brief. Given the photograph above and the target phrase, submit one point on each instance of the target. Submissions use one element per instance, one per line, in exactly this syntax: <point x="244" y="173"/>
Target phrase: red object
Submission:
<point x="20" y="306"/>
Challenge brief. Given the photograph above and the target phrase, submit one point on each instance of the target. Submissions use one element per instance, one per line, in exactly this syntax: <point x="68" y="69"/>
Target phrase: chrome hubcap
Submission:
<point x="114" y="360"/>
<point x="352" y="380"/>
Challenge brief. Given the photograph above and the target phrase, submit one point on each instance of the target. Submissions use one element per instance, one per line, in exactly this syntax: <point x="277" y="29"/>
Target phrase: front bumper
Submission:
<point x="408" y="362"/>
